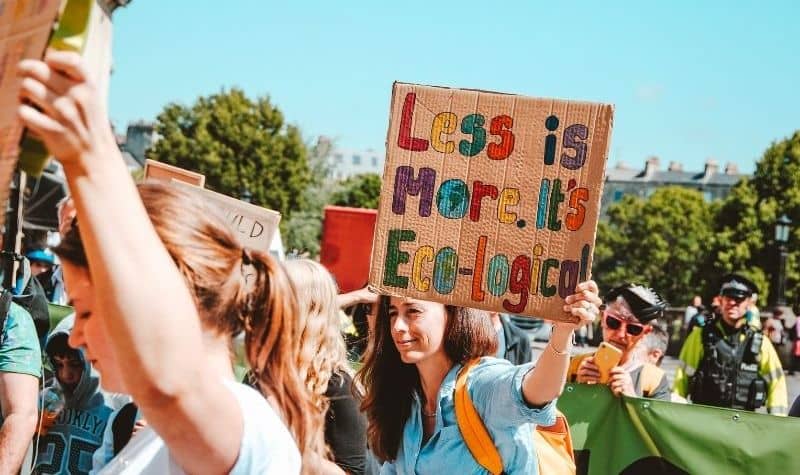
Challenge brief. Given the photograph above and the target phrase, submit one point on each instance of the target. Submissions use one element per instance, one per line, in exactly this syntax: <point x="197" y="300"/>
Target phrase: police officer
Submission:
<point x="728" y="362"/>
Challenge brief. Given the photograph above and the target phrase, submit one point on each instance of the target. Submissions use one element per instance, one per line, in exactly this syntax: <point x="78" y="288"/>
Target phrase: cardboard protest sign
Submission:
<point x="254" y="225"/>
<point x="25" y="27"/>
<point x="489" y="200"/>
<point x="347" y="244"/>
<point x="154" y="170"/>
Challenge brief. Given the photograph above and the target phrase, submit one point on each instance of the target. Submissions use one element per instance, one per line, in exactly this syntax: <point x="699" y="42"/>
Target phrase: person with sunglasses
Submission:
<point x="728" y="362"/>
<point x="628" y="313"/>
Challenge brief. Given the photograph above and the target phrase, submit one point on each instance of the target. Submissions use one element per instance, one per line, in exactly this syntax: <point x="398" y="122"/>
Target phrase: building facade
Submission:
<point x="622" y="180"/>
<point x="345" y="162"/>
<point x="139" y="137"/>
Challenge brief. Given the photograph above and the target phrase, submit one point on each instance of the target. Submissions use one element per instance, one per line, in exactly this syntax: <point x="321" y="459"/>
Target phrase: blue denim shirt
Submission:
<point x="495" y="387"/>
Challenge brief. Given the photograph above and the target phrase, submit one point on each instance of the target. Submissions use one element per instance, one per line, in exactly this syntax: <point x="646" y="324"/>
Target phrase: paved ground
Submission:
<point x="670" y="364"/>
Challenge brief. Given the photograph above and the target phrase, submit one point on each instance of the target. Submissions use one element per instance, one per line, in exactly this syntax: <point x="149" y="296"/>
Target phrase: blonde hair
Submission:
<point x="235" y="289"/>
<point x="322" y="348"/>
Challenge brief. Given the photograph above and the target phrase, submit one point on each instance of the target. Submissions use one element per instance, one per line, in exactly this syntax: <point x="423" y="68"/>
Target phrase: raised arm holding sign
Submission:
<point x="479" y="209"/>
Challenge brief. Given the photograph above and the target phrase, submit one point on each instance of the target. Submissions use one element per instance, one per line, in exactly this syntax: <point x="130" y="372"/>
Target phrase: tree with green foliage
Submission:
<point x="659" y="241"/>
<point x="745" y="224"/>
<point x="304" y="228"/>
<point x="358" y="191"/>
<point x="242" y="146"/>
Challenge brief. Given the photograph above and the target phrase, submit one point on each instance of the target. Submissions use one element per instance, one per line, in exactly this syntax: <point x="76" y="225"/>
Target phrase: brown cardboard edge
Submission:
<point x="14" y="31"/>
<point x="381" y="196"/>
<point x="148" y="163"/>
<point x="514" y="94"/>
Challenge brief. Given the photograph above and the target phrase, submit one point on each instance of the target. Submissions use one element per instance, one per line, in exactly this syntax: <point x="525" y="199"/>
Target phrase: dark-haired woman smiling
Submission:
<point x="410" y="372"/>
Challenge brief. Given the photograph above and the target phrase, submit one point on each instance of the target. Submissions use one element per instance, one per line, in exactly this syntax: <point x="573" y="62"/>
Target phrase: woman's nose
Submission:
<point x="76" y="339"/>
<point x="621" y="333"/>
<point x="399" y="324"/>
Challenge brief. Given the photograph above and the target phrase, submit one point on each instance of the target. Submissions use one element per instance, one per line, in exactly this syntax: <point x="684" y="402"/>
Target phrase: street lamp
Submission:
<point x="782" y="227"/>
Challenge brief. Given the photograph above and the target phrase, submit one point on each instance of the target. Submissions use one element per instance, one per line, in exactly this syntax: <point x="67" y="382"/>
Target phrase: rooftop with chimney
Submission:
<point x="674" y="174"/>
<point x="713" y="182"/>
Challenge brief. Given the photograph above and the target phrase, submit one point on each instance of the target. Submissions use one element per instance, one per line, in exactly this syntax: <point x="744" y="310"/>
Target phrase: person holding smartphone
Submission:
<point x="628" y="313"/>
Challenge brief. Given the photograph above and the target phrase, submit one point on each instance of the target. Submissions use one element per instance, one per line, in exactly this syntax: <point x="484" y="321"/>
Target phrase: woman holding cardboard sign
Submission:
<point x="410" y="375"/>
<point x="160" y="285"/>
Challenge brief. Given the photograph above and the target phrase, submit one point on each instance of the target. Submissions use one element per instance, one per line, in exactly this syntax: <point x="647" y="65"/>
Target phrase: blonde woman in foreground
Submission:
<point x="158" y="284"/>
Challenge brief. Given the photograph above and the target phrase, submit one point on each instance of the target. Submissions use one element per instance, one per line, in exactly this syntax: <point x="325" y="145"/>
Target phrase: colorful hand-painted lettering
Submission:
<point x="504" y="176"/>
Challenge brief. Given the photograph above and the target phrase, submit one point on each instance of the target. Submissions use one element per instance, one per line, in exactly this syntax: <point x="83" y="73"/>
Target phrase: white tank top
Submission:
<point x="267" y="446"/>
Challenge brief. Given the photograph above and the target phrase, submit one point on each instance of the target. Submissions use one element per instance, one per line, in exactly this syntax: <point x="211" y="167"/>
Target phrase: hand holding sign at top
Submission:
<point x="62" y="108"/>
<point x="490" y="200"/>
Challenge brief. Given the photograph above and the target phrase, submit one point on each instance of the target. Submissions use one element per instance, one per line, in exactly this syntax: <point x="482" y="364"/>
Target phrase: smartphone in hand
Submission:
<point x="607" y="357"/>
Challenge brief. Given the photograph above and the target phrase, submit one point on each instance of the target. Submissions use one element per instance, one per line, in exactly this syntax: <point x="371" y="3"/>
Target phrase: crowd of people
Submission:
<point x="141" y="380"/>
<point x="726" y="359"/>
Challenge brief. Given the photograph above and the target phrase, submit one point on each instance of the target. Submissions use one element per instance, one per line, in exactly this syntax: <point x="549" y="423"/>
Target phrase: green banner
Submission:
<point x="631" y="435"/>
<point x="58" y="313"/>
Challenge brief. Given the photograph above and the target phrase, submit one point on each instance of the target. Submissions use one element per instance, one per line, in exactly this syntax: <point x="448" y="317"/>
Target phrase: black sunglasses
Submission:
<point x="615" y="323"/>
<point x="736" y="298"/>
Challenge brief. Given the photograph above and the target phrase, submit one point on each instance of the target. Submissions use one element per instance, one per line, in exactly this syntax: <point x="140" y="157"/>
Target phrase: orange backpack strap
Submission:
<point x="472" y="429"/>
<point x="554" y="448"/>
<point x="553" y="444"/>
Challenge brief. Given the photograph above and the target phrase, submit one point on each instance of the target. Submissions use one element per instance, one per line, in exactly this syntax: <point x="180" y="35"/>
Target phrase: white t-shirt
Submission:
<point x="267" y="446"/>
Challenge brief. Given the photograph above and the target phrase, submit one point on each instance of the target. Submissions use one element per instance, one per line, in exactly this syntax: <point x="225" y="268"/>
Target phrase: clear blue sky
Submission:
<point x="690" y="80"/>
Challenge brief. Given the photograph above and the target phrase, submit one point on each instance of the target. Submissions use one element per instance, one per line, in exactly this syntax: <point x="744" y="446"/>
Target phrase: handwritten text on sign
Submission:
<point x="255" y="226"/>
<point x="489" y="200"/>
